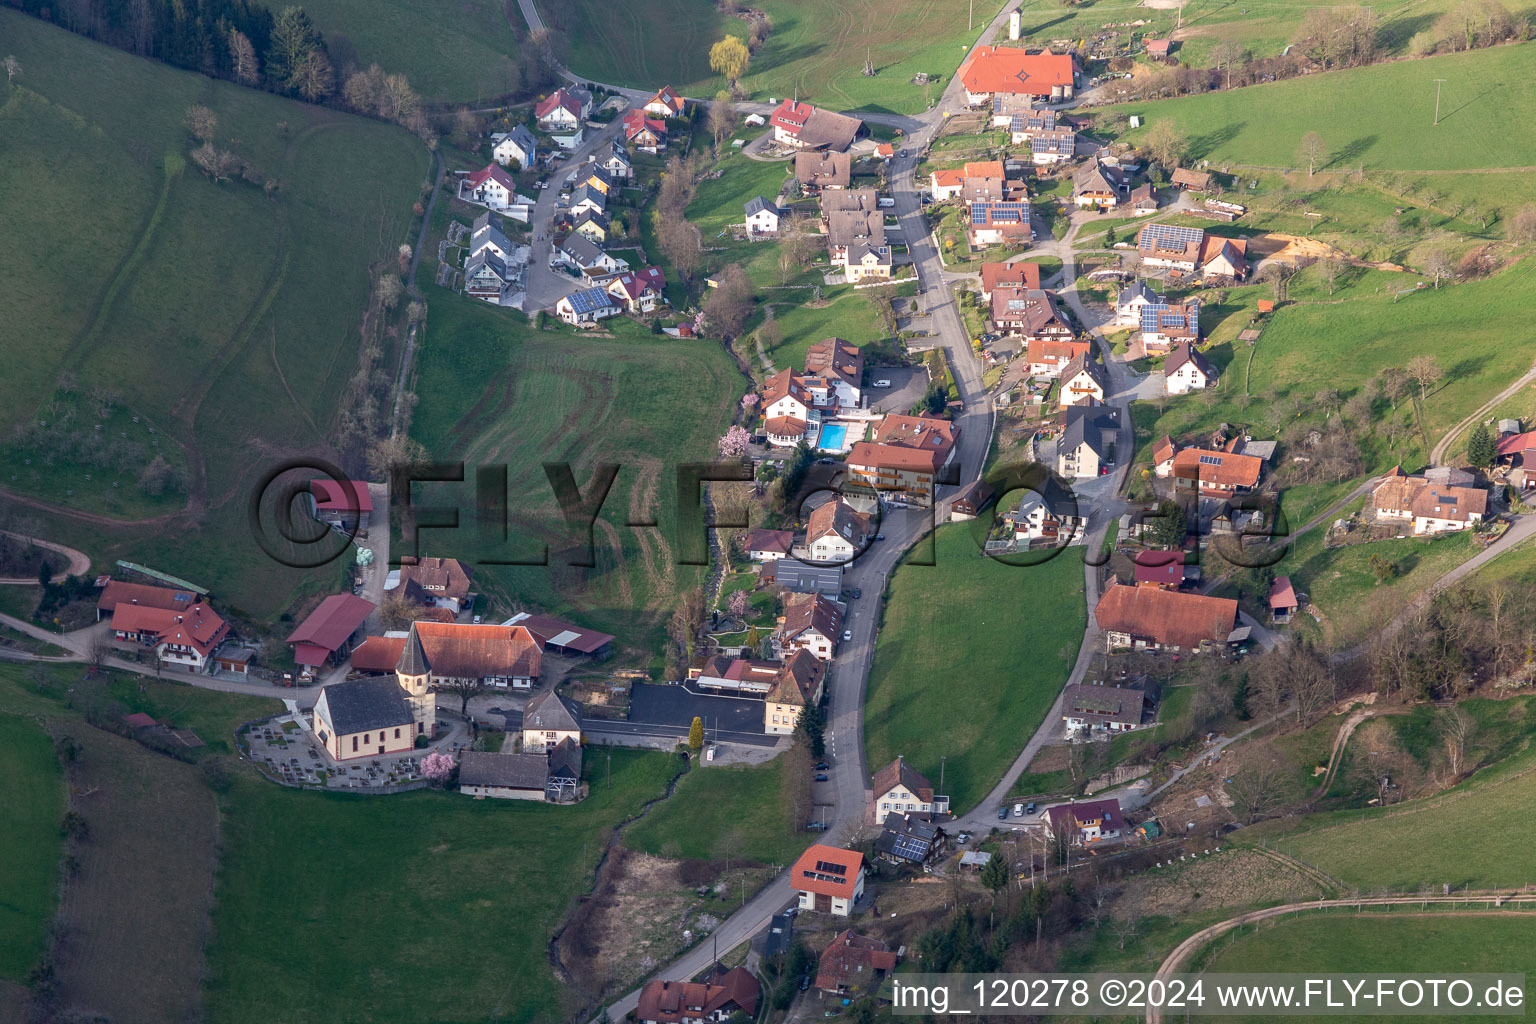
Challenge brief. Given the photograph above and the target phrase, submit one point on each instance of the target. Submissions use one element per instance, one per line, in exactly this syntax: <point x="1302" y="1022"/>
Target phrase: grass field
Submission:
<point x="1389" y="943"/>
<point x="971" y="654"/>
<point x="735" y="811"/>
<point x="31" y="804"/>
<point x="816" y="50"/>
<point x="452" y="52"/>
<point x="225" y="318"/>
<point x="1378" y="117"/>
<point x="419" y="907"/>
<point x="496" y="391"/>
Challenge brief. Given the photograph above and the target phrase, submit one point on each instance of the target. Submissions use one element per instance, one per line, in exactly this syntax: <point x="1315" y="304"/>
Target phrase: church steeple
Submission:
<point x="413" y="669"/>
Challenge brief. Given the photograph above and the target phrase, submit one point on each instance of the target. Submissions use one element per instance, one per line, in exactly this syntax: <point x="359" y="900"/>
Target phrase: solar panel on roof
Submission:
<point x="909" y="848"/>
<point x="1210" y="460"/>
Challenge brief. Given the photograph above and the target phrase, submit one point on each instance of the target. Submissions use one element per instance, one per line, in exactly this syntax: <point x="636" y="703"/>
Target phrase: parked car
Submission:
<point x="847" y="635"/>
<point x="1029" y="808"/>
<point x="821" y="766"/>
<point x="1018" y="810"/>
<point x="881" y="384"/>
<point x="816" y="826"/>
<point x="879" y="536"/>
<point x="1002" y="813"/>
<point x="857" y="593"/>
<point x="805" y="981"/>
<point x="961" y="838"/>
<point x="820" y="777"/>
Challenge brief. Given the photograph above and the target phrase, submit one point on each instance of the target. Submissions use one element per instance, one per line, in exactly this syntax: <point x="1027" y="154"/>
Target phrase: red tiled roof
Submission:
<point x="198" y="627"/>
<point x="1086" y="812"/>
<point x="1006" y="275"/>
<point x="1510" y="444"/>
<point x="851" y="960"/>
<point x="345" y="496"/>
<point x="1227" y="469"/>
<point x="635" y="283"/>
<point x="458" y="650"/>
<point x="558" y="98"/>
<point x="1170" y="618"/>
<point x="671" y="1002"/>
<point x="1282" y="594"/>
<point x="907" y="442"/>
<point x="492" y="172"/>
<point x="1161" y="567"/>
<point x="328" y="626"/>
<point x="898" y="770"/>
<point x="668" y="97"/>
<point x="118" y="592"/>
<point x="1012" y="70"/>
<point x="547" y="629"/>
<point x="810" y="611"/>
<point x="635" y="122"/>
<point x="770" y="540"/>
<point x="827" y="871"/>
<point x="439" y="577"/>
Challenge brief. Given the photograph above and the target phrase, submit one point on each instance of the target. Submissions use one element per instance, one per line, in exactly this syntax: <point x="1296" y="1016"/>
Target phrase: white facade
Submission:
<point x="841" y="906"/>
<point x="1185" y="379"/>
<point x="508" y="150"/>
<point x="764" y="222"/>
<point x="569" y="139"/>
<point x="900" y="800"/>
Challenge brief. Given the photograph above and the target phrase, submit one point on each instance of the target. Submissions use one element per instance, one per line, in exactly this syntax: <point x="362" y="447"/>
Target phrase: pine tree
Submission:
<point x="1481" y="450"/>
<point x="995" y="875"/>
<point x="696" y="733"/>
<point x="812" y="724"/>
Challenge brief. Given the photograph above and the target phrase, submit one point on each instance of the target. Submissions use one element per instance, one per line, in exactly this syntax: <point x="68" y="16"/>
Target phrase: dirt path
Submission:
<point x="79" y="561"/>
<point x="1437" y="456"/>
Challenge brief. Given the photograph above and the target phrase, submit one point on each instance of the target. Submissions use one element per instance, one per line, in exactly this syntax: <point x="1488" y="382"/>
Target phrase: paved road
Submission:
<point x="79" y="561"/>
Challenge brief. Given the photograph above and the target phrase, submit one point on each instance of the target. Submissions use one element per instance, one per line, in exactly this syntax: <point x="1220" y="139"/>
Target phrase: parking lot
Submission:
<point x="736" y="718"/>
<point x="907" y="386"/>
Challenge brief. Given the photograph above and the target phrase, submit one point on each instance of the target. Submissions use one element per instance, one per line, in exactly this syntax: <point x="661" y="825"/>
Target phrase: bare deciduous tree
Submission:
<point x="12" y="69"/>
<point x="1426" y="372"/>
<point x="1312" y="150"/>
<point x="242" y="58"/>
<point x="201" y="122"/>
<point x="1438" y="265"/>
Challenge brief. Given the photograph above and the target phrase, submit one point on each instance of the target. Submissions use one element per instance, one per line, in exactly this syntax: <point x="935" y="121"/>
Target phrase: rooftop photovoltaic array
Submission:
<point x="1168" y="236"/>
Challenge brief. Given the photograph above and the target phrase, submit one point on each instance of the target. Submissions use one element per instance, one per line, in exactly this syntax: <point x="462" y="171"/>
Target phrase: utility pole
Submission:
<point x="1438" y="83"/>
<point x="942" y="759"/>
<point x="970" y="19"/>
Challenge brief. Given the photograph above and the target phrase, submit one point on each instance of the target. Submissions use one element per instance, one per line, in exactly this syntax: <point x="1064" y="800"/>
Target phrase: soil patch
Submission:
<point x="1233" y="878"/>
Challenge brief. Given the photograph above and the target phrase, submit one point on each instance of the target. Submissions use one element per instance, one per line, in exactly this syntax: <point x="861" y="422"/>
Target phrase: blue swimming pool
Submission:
<point x="832" y="437"/>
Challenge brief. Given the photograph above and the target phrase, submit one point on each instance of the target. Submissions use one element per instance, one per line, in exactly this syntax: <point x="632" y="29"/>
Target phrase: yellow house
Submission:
<point x="797" y="684"/>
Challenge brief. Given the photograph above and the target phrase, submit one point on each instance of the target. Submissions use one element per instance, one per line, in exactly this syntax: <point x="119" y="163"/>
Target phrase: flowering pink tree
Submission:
<point x="438" y="766"/>
<point x="737" y="605"/>
<point x="733" y="443"/>
<point x="749" y="401"/>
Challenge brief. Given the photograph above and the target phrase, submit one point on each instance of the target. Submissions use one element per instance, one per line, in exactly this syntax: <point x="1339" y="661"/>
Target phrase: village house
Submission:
<point x="854" y="963"/>
<point x="1215" y="474"/>
<point x="1187" y="249"/>
<point x="1164" y="325"/>
<point x="905" y="457"/>
<point x="997" y="70"/>
<point x="327" y="632"/>
<point x="666" y="103"/>
<point x="488" y="278"/>
<point x="516" y="147"/>
<point x="492" y="187"/>
<point x="1163" y="569"/>
<point x="811" y="623"/>
<point x="1087" y="440"/>
<point x="1048" y="357"/>
<point x="762" y="217"/>
<point x="1441" y="500"/>
<point x="1515" y="453"/>
<point x="834" y="373"/>
<point x="1084" y="381"/>
<point x="616" y="162"/>
<point x="855" y="227"/>
<point x="586" y="306"/>
<point x="1052" y="147"/>
<point x="435" y="584"/>
<point x="1030" y="313"/>
<point x="488" y="234"/>
<point x="1087" y="821"/>
<point x="789" y="410"/>
<point x="639" y="291"/>
<point x="1162" y="457"/>
<point x="835" y="531"/>
<point x="797" y="577"/>
<point x="946" y="184"/>
<point x="586" y="199"/>
<point x="499" y="657"/>
<point x="184" y="634"/>
<point x="548" y="720"/>
<point x="116" y="592"/>
<point x="1151" y="618"/>
<point x="563" y="110"/>
<point x="343" y="505"/>
<point x="583" y="254"/>
<point x="910" y="839"/>
<point x="828" y="880"/>
<point x="1047" y="515"/>
<point x="796" y="686"/>
<point x="898" y="788"/>
<point x="769" y="545"/>
<point x="723" y="673"/>
<point x="816" y="170"/>
<point x="647" y="134"/>
<point x="1008" y="275"/>
<point x="1105" y="708"/>
<point x="592" y="225"/>
<point x="970" y="502"/>
<point x="1282" y="600"/>
<point x="692" y="1002"/>
<point x="1186" y="370"/>
<point x="1133" y="298"/>
<point x="999" y="223"/>
<point x="802" y="126"/>
<point x="1099" y="184"/>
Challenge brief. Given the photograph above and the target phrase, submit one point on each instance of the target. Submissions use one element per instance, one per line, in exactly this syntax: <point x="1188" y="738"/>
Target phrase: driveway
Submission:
<point x="907" y="386"/>
<point x="677" y="706"/>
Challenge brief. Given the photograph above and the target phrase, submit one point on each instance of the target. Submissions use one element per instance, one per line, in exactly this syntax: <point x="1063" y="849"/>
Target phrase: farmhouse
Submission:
<point x="1186" y="370"/>
<point x="762" y="217"/>
<point x="1030" y="313"/>
<point x="692" y="1002"/>
<point x="835" y="531"/>
<point x="1158" y="569"/>
<point x="810" y="623"/>
<point x="1143" y="200"/>
<point x="116" y="592"/>
<point x="802" y="126"/>
<point x="504" y="775"/>
<point x="1087" y="439"/>
<point x="666" y="103"/>
<point x="548" y="720"/>
<point x="185" y="636"/>
<point x="1008" y="275"/>
<point x="898" y="788"/>
<point x="769" y="545"/>
<point x="558" y="636"/>
<point x="910" y="839"/>
<point x="1047" y="513"/>
<point x="646" y="134"/>
<point x="563" y="109"/>
<point x="1516" y="453"/>
<point x="1439" y="501"/>
<point x="1099" y="184"/>
<point x="829" y="880"/>
<point x="1151" y="618"/>
<point x="905" y="457"/>
<point x="1170" y="246"/>
<point x="1106" y="708"/>
<point x="1056" y="146"/>
<point x="1084" y="381"/>
<point x="1164" y="325"/>
<point x="344" y="505"/>
<point x="586" y="307"/>
<point x="1223" y="258"/>
<point x="517" y="146"/>
<point x="1215" y="474"/>
<point x="435" y="583"/>
<point x="640" y="291"/>
<point x="328" y="631"/>
<point x="1089" y="821"/>
<point x="996" y="223"/>
<point x="994" y="70"/>
<point x="1133" y="298"/>
<point x="498" y="656"/>
<point x="818" y="170"/>
<point x="796" y="686"/>
<point x="854" y="963"/>
<point x="1191" y="181"/>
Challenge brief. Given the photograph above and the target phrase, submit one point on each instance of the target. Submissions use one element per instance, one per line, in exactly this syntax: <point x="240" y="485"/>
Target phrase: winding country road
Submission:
<point x="78" y="562"/>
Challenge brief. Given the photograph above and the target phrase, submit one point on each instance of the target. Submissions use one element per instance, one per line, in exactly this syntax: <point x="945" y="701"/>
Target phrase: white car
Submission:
<point x="847" y="634"/>
<point x="881" y="384"/>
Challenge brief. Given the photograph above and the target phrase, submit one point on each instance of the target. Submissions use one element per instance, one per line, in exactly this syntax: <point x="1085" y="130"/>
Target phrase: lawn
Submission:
<point x="224" y="319"/>
<point x="846" y="314"/>
<point x="970" y="656"/>
<point x="1433" y="944"/>
<point x="1378" y="117"/>
<point x="733" y="811"/>
<point x="495" y="391"/>
<point x="816" y="50"/>
<point x="339" y="907"/>
<point x="31" y="805"/>
<point x="452" y="53"/>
